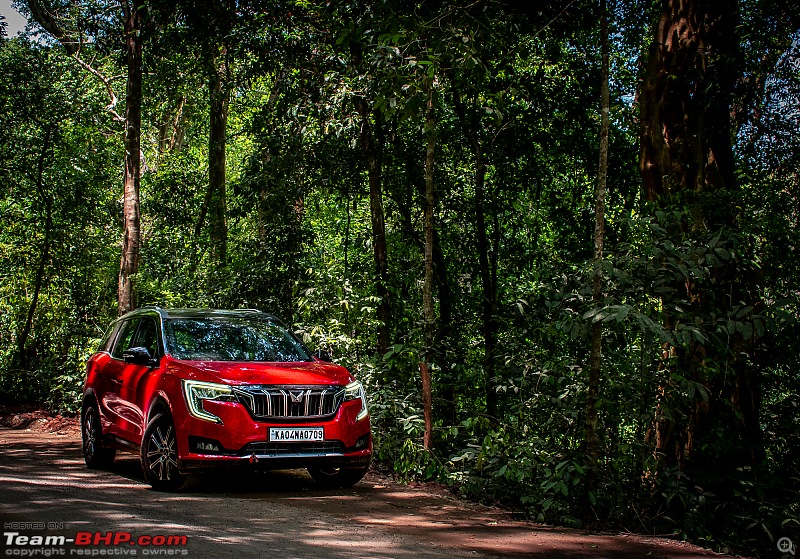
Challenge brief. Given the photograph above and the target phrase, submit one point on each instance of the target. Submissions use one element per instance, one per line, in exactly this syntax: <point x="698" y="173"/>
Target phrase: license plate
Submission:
<point x="296" y="434"/>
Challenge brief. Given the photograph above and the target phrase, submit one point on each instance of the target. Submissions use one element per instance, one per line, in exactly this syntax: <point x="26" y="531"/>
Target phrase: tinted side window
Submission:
<point x="108" y="337"/>
<point x="147" y="336"/>
<point x="124" y="338"/>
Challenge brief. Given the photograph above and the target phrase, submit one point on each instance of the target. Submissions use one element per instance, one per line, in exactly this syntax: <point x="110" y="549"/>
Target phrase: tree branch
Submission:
<point x="45" y="17"/>
<point x="107" y="83"/>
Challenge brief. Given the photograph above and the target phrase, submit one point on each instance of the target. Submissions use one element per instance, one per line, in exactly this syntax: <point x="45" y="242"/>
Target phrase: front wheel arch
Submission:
<point x="89" y="399"/>
<point x="159" y="404"/>
<point x="159" y="455"/>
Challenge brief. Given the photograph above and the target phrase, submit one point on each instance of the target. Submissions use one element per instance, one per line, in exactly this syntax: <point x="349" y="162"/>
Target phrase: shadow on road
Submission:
<point x="239" y="513"/>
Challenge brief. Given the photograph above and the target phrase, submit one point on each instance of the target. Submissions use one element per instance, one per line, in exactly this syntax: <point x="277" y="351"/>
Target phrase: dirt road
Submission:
<point x="45" y="490"/>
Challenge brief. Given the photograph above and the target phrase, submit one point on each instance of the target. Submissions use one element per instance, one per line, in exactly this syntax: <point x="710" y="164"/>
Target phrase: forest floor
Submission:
<point x="46" y="489"/>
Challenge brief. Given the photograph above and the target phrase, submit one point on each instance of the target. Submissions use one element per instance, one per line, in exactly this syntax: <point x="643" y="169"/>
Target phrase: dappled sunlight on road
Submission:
<point x="236" y="513"/>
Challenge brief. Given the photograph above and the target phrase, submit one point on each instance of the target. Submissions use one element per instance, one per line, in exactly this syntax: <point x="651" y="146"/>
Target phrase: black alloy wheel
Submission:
<point x="159" y="455"/>
<point x="95" y="455"/>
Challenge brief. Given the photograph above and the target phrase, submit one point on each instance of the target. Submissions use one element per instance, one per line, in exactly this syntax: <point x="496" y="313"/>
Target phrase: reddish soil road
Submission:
<point x="45" y="490"/>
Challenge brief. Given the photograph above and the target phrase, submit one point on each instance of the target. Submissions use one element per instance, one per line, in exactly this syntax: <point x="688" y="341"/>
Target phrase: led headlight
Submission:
<point x="196" y="392"/>
<point x="355" y="391"/>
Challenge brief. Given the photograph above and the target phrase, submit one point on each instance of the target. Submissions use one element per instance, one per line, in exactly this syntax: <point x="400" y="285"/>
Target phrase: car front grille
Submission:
<point x="290" y="402"/>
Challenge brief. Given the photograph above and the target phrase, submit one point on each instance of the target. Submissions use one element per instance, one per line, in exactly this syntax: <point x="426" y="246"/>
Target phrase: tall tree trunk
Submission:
<point x="486" y="262"/>
<point x="446" y="402"/>
<point x="133" y="13"/>
<point x="346" y="248"/>
<point x="685" y="105"/>
<point x="595" y="356"/>
<point x="488" y="266"/>
<point x="446" y="397"/>
<point x="170" y="132"/>
<point x="22" y="340"/>
<point x="372" y="156"/>
<point x="129" y="261"/>
<point x="217" y="142"/>
<point x="295" y="252"/>
<point x="685" y="138"/>
<point x="264" y="228"/>
<point x="428" y="310"/>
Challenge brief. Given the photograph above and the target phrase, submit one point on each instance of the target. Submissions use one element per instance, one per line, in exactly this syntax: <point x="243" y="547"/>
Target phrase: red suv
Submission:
<point x="192" y="389"/>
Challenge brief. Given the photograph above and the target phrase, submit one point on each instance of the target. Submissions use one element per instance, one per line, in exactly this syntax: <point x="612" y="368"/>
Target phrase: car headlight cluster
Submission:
<point x="355" y="391"/>
<point x="196" y="392"/>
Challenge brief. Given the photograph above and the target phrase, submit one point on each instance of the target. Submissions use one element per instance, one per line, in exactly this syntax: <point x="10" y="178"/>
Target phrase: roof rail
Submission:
<point x="154" y="307"/>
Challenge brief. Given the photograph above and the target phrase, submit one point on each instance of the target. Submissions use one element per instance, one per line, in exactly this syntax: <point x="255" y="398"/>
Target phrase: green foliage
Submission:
<point x="709" y="272"/>
<point x="53" y="194"/>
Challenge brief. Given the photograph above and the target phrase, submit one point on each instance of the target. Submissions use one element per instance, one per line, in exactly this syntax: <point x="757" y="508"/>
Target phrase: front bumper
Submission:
<point x="240" y="440"/>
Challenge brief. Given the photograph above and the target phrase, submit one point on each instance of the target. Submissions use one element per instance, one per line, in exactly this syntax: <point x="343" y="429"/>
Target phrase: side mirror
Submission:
<point x="139" y="356"/>
<point x="323" y="355"/>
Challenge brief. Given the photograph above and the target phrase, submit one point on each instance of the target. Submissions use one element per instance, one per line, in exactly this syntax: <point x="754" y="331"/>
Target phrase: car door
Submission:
<point x="110" y="399"/>
<point x="135" y="376"/>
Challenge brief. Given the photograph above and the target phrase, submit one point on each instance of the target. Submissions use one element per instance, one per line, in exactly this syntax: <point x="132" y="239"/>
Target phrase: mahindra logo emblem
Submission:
<point x="296" y="397"/>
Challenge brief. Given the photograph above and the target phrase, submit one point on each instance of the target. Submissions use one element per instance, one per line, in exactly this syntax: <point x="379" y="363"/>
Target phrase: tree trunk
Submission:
<point x="295" y="252"/>
<point x="372" y="156"/>
<point x="685" y="105"/>
<point x="272" y="101"/>
<point x="22" y="340"/>
<point x="446" y="398"/>
<point x="132" y="26"/>
<point x="170" y="131"/>
<point x="447" y="401"/>
<point x="487" y="268"/>
<point x="686" y="144"/>
<point x="595" y="356"/>
<point x="129" y="261"/>
<point x="427" y="286"/>
<point x="346" y="248"/>
<point x="488" y="265"/>
<point x="427" y="406"/>
<point x="217" y="141"/>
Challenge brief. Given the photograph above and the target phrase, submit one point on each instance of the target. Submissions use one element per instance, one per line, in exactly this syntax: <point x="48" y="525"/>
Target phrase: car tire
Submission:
<point x="159" y="455"/>
<point x="337" y="477"/>
<point x="96" y="456"/>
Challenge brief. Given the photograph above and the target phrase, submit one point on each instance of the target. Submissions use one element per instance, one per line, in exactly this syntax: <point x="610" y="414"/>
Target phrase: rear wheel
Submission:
<point x="159" y="455"/>
<point x="337" y="477"/>
<point x="95" y="454"/>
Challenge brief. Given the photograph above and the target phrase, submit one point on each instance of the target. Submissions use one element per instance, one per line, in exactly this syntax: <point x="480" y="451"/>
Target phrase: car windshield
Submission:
<point x="231" y="338"/>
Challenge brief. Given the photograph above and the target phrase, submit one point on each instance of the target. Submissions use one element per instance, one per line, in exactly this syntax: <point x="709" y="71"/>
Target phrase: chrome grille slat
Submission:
<point x="266" y="402"/>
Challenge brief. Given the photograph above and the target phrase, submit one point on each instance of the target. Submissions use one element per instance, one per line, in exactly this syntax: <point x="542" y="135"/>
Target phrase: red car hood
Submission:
<point x="242" y="372"/>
